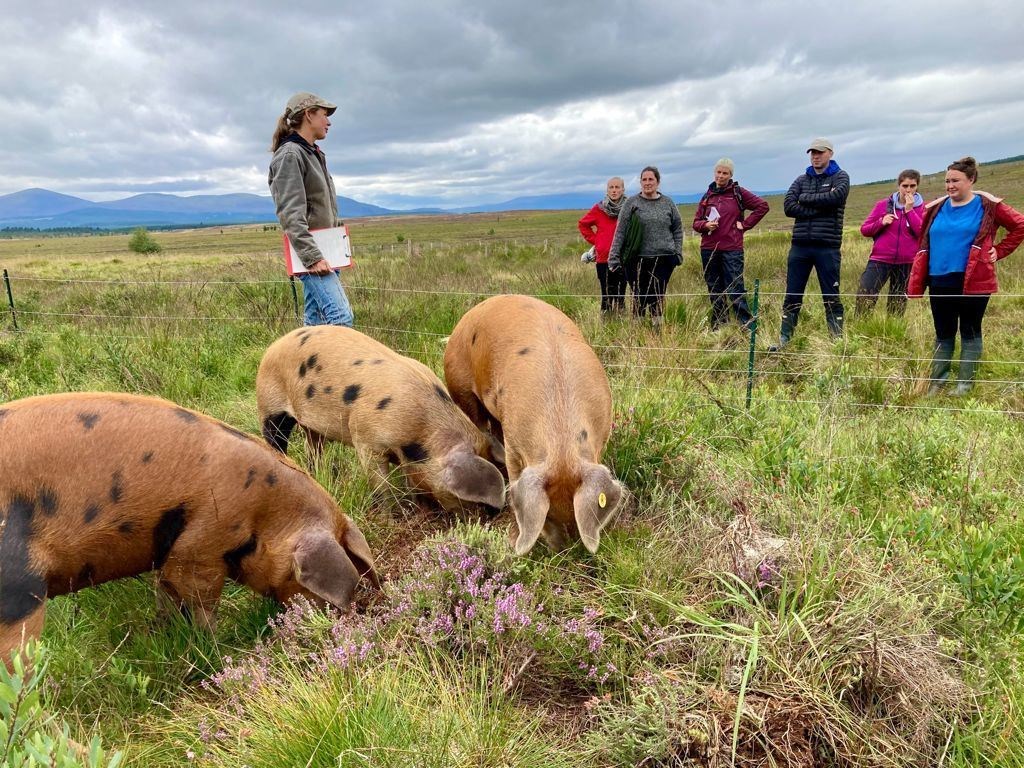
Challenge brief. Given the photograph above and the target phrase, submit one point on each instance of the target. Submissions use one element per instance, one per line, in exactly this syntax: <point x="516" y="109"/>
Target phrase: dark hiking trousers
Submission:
<point x="825" y="260"/>
<point x="875" y="276"/>
<point x="723" y="273"/>
<point x="613" y="288"/>
<point x="648" y="277"/>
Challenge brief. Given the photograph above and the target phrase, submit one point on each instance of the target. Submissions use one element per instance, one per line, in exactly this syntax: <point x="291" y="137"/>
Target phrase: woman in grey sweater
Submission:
<point x="660" y="252"/>
<point x="305" y="199"/>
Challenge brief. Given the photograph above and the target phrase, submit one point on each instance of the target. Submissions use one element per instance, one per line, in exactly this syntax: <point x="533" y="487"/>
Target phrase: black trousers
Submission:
<point x="648" y="278"/>
<point x="951" y="310"/>
<point x="613" y="288"/>
<point x="723" y="273"/>
<point x="825" y="260"/>
<point x="876" y="274"/>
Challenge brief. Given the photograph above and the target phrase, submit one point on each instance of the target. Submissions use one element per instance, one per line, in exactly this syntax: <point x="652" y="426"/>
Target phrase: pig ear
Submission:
<point x="322" y="567"/>
<point x="595" y="503"/>
<point x="472" y="478"/>
<point x="359" y="552"/>
<point x="530" y="503"/>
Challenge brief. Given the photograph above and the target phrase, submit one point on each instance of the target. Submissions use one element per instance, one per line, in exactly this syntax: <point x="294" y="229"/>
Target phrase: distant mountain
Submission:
<point x="35" y="201"/>
<point x="43" y="209"/>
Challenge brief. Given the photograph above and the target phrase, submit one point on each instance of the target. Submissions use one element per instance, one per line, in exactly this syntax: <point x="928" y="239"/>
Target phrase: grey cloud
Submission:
<point x="433" y="96"/>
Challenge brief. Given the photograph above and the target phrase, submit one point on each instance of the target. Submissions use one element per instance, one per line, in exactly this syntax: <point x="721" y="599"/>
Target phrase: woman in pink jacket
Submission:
<point x="895" y="224"/>
<point x="598" y="229"/>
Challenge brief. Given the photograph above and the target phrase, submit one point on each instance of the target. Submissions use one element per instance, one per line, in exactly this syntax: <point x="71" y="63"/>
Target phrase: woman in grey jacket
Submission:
<point x="661" y="250"/>
<point x="304" y="195"/>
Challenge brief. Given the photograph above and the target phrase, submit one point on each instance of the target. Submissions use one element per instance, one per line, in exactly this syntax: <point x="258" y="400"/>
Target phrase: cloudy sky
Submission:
<point x="455" y="102"/>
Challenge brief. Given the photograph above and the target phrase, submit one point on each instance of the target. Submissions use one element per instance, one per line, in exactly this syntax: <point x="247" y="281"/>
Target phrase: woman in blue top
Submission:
<point x="956" y="260"/>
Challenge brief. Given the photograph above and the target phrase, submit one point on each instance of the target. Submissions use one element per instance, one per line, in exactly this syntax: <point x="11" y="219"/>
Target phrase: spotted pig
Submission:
<point x="96" y="487"/>
<point x="521" y="368"/>
<point x="341" y="385"/>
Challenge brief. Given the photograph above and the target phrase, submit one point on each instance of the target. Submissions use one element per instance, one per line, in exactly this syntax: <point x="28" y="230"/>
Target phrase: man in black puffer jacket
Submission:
<point x="816" y="200"/>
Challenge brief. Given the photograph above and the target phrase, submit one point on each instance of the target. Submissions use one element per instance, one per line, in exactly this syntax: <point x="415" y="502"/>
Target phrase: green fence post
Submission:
<point x="753" y="342"/>
<point x="295" y="296"/>
<point x="10" y="299"/>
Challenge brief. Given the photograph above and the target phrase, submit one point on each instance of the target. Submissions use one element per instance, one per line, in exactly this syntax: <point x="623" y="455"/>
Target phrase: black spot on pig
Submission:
<point x="277" y="429"/>
<point x="583" y="436"/>
<point x="116" y="487"/>
<point x="415" y="452"/>
<point x="88" y="420"/>
<point x="472" y="341"/>
<point x="21" y="590"/>
<point x="91" y="512"/>
<point x="250" y="477"/>
<point x="328" y="389"/>
<point x="127" y="528"/>
<point x="233" y="557"/>
<point x="311" y="362"/>
<point x="48" y="501"/>
<point x="439" y="390"/>
<point x="304" y="337"/>
<point x="523" y="351"/>
<point x="310" y="391"/>
<point x="270" y="479"/>
<point x="384" y="403"/>
<point x="302" y="369"/>
<point x="358" y="362"/>
<point x="166" y="532"/>
<point x="378" y="361"/>
<point x="351" y="393"/>
<point x="147" y="457"/>
<point x="184" y="415"/>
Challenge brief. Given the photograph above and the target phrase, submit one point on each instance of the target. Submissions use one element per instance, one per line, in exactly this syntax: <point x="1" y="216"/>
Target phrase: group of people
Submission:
<point x="947" y="246"/>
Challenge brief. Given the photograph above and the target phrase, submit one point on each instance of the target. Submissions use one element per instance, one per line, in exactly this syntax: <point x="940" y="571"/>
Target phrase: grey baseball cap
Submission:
<point x="304" y="100"/>
<point x="820" y="145"/>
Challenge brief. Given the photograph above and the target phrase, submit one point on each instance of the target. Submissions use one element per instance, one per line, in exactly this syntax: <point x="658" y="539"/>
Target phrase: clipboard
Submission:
<point x="333" y="243"/>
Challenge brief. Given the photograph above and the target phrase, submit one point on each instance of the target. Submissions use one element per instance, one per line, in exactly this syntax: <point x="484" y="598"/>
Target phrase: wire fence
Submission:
<point x="654" y="363"/>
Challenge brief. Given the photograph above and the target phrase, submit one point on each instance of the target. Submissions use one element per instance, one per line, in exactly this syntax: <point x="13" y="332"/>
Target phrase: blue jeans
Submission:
<point x="723" y="273"/>
<point x="825" y="260"/>
<point x="325" y="300"/>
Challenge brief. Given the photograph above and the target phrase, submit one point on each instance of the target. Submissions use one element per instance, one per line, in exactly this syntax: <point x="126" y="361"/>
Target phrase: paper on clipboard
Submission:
<point x="333" y="244"/>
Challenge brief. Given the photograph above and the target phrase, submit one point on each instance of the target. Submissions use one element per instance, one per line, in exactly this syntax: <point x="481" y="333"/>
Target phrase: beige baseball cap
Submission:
<point x="300" y="102"/>
<point x="820" y="145"/>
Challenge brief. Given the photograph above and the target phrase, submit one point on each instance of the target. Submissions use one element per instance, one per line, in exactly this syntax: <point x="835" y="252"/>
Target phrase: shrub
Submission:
<point x="143" y="242"/>
<point x="29" y="736"/>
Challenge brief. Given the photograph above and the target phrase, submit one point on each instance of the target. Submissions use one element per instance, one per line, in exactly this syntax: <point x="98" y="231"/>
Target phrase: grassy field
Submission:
<point x="833" y="577"/>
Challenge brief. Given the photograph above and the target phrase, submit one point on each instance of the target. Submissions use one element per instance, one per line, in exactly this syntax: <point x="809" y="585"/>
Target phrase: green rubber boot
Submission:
<point x="970" y="356"/>
<point x="942" y="359"/>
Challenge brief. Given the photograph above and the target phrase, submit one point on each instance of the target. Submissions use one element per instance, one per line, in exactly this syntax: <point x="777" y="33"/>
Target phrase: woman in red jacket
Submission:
<point x="956" y="260"/>
<point x="598" y="229"/>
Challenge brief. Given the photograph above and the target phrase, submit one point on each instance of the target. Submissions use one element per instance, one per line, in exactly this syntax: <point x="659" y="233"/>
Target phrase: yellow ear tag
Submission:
<point x="602" y="500"/>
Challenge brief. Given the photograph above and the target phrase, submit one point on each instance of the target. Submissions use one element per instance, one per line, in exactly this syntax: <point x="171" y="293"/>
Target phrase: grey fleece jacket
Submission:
<point x="663" y="229"/>
<point x="304" y="195"/>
